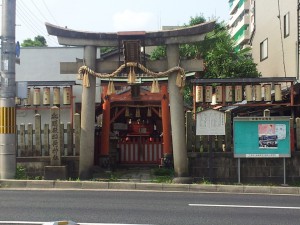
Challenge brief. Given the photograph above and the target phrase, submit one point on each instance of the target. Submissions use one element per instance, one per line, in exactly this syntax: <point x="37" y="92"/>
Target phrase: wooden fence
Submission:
<point x="33" y="141"/>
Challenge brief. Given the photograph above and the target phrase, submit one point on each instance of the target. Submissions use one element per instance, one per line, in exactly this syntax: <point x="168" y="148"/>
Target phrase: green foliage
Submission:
<point x="38" y="41"/>
<point x="163" y="172"/>
<point x="21" y="173"/>
<point x="158" y="53"/>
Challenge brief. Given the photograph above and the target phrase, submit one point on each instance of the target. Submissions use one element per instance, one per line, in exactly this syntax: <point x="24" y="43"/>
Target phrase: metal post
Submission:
<point x="284" y="172"/>
<point x="239" y="170"/>
<point x="7" y="92"/>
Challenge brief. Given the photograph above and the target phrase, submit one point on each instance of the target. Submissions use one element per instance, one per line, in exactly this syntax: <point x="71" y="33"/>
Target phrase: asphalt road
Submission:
<point x="139" y="207"/>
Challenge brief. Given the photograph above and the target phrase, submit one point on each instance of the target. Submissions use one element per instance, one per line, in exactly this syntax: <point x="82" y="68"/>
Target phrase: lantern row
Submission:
<point x="36" y="98"/>
<point x="237" y="93"/>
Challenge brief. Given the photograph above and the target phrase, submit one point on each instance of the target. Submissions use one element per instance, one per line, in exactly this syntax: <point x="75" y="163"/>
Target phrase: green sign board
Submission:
<point x="261" y="137"/>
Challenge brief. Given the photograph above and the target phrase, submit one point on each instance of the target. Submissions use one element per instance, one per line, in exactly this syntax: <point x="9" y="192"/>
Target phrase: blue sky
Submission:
<point x="111" y="15"/>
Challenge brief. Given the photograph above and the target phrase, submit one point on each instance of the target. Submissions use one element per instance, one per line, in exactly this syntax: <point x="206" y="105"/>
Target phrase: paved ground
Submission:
<point x="136" y="174"/>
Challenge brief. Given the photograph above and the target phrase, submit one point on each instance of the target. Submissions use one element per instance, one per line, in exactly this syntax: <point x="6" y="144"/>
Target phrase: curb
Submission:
<point x="93" y="185"/>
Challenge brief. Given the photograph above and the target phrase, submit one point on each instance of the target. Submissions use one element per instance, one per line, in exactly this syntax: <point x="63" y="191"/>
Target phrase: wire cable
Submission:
<point x="281" y="34"/>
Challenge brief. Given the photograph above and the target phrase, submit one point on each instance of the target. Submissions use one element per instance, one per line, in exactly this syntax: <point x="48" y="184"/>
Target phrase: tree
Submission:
<point x="218" y="50"/>
<point x="219" y="53"/>
<point x="38" y="41"/>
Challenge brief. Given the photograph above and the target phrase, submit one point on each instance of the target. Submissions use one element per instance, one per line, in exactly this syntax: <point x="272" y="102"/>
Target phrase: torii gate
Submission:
<point x="172" y="39"/>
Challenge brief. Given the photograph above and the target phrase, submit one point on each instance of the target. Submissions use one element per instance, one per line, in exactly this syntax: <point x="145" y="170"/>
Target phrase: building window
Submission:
<point x="264" y="50"/>
<point x="286" y="21"/>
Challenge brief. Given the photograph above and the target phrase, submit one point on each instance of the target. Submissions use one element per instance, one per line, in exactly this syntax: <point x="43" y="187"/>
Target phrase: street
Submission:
<point x="140" y="207"/>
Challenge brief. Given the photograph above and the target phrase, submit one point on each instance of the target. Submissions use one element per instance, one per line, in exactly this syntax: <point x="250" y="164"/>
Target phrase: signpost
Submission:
<point x="210" y="122"/>
<point x="261" y="137"/>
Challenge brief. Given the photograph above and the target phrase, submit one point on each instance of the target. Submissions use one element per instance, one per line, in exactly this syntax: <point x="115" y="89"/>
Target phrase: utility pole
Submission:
<point x="8" y="92"/>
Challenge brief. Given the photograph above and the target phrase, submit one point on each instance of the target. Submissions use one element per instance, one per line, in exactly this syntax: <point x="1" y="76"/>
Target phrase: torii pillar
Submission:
<point x="177" y="120"/>
<point x="87" y="137"/>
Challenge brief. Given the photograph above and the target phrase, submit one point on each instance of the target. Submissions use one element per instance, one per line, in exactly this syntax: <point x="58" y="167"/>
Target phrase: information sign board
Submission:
<point x="261" y="137"/>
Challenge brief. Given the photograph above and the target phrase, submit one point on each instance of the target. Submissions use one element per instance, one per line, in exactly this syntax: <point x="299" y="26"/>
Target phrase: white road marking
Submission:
<point x="41" y="223"/>
<point x="245" y="206"/>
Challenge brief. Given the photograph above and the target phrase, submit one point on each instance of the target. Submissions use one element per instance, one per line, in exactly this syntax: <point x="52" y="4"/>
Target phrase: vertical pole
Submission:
<point x="87" y="137"/>
<point x="7" y="92"/>
<point x="165" y="111"/>
<point x="239" y="170"/>
<point x="177" y="120"/>
<point x="284" y="172"/>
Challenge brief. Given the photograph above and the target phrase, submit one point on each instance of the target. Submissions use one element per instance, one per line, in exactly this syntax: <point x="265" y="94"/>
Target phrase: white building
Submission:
<point x="40" y="68"/>
<point x="271" y="28"/>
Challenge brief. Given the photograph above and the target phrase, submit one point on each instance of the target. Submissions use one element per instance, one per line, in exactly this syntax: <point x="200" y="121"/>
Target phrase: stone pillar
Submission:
<point x="55" y="151"/>
<point x="165" y="111"/>
<point x="86" y="160"/>
<point x="104" y="152"/>
<point x="177" y="120"/>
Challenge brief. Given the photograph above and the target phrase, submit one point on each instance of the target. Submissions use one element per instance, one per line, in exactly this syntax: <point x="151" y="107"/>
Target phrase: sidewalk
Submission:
<point x="140" y="186"/>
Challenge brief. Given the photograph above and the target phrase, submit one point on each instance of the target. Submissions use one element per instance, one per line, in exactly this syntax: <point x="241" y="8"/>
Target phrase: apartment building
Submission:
<point x="271" y="28"/>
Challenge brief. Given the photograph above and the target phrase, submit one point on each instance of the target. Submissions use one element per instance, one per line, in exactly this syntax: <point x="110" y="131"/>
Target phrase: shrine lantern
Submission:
<point x="56" y="96"/>
<point x="248" y="92"/>
<point x="46" y="96"/>
<point x="219" y="93"/>
<point x="27" y="101"/>
<point x="257" y="93"/>
<point x="36" y="96"/>
<point x="208" y="93"/>
<point x="278" y="95"/>
<point x="199" y="93"/>
<point x="267" y="92"/>
<point x="67" y="95"/>
<point x="238" y="93"/>
<point x="228" y="93"/>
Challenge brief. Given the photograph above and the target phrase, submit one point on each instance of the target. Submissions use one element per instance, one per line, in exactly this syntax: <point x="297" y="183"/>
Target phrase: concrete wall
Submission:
<point x="267" y="25"/>
<point x="225" y="168"/>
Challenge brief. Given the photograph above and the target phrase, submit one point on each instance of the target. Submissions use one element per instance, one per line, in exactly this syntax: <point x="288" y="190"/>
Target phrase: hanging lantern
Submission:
<point x="46" y="96"/>
<point x="219" y="97"/>
<point x="126" y="112"/>
<point x="228" y="93"/>
<point x="67" y="95"/>
<point x="278" y="95"/>
<point x="36" y="96"/>
<point x="199" y="94"/>
<point x="267" y="92"/>
<point x="137" y="113"/>
<point x="208" y="93"/>
<point x="248" y="91"/>
<point x="149" y="112"/>
<point x="238" y="93"/>
<point x="257" y="93"/>
<point x="27" y="101"/>
<point x="56" y="96"/>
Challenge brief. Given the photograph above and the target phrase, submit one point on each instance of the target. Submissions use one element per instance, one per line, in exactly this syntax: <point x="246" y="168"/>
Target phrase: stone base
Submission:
<point x="182" y="180"/>
<point x="55" y="173"/>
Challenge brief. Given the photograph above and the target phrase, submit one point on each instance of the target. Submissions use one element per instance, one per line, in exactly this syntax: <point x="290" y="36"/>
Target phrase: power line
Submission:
<point x="50" y="12"/>
<point x="31" y="20"/>
<point x="282" y="47"/>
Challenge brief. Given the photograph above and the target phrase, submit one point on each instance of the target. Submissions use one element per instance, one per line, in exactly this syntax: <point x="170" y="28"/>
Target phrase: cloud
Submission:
<point x="132" y="21"/>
